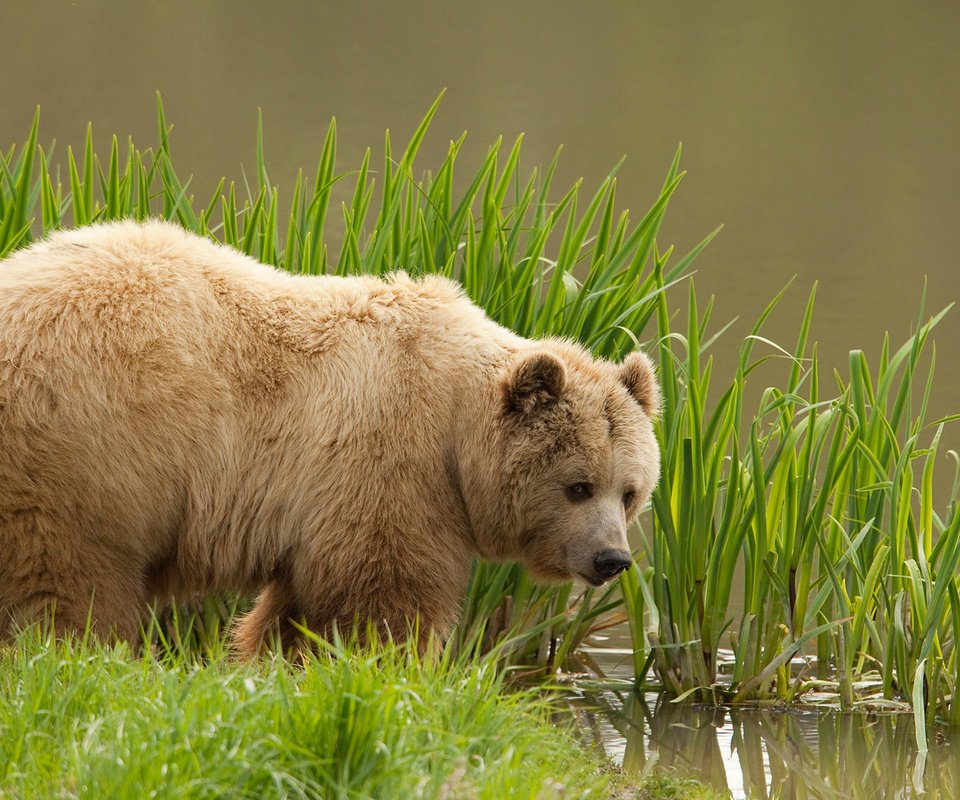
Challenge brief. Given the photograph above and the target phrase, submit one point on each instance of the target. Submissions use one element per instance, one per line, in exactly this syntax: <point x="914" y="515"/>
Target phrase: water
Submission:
<point x="766" y="754"/>
<point x="806" y="754"/>
<point x="823" y="135"/>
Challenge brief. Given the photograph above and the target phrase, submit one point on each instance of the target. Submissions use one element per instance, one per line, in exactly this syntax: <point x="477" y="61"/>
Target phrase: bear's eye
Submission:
<point x="578" y="492"/>
<point x="628" y="498"/>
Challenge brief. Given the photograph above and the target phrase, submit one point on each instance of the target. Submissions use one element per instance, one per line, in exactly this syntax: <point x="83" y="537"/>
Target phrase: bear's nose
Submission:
<point x="610" y="563"/>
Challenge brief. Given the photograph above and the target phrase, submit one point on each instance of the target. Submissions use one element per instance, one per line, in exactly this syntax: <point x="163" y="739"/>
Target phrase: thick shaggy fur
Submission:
<point x="177" y="419"/>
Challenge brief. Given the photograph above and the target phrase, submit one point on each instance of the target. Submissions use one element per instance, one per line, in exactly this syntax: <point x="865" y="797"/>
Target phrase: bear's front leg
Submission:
<point x="382" y="596"/>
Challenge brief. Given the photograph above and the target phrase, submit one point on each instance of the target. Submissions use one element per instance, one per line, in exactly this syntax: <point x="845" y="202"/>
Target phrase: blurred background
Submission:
<point x="823" y="135"/>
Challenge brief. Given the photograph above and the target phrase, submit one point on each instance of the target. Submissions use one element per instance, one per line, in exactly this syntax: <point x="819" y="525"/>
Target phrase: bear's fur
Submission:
<point x="178" y="419"/>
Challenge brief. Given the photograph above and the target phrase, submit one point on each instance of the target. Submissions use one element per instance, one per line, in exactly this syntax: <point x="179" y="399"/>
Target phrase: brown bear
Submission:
<point x="178" y="419"/>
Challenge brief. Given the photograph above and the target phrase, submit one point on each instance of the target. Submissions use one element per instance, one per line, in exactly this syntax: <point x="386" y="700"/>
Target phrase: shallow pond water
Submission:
<point x="768" y="753"/>
<point x="764" y="754"/>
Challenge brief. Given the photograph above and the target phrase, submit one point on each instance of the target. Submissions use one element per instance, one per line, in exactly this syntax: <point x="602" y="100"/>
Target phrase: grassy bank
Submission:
<point x="82" y="720"/>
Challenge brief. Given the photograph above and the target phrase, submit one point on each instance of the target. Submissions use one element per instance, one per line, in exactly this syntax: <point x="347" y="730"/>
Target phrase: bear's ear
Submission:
<point x="536" y="381"/>
<point x="636" y="373"/>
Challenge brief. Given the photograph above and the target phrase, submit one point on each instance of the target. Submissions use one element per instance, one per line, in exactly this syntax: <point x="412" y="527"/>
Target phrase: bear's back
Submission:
<point x="145" y="321"/>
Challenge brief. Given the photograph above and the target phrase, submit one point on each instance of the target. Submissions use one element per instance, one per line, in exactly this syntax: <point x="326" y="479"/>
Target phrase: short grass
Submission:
<point x="79" y="719"/>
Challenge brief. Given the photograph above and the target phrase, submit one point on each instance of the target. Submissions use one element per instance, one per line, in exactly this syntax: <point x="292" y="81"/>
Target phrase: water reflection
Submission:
<point x="769" y="753"/>
<point x="773" y="753"/>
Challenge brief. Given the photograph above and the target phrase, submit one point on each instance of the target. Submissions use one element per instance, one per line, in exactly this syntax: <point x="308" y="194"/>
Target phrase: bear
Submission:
<point x="178" y="419"/>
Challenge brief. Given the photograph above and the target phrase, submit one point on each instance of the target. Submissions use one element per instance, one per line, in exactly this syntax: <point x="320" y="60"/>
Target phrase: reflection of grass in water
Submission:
<point x="815" y="754"/>
<point x="821" y="496"/>
<point x="665" y="786"/>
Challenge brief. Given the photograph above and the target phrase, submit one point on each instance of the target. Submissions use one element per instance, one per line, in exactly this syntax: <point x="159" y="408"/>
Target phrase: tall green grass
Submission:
<point x="815" y="492"/>
<point x="819" y="498"/>
<point x="571" y="265"/>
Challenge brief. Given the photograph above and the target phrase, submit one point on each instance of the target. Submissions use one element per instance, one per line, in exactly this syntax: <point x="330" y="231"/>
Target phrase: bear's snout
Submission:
<point x="610" y="563"/>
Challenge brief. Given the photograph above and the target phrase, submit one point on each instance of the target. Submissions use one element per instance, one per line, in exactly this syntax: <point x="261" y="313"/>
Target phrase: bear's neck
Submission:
<point x="478" y="468"/>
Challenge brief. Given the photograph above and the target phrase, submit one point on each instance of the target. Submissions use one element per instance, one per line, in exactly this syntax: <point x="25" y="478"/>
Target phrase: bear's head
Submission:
<point x="579" y="460"/>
